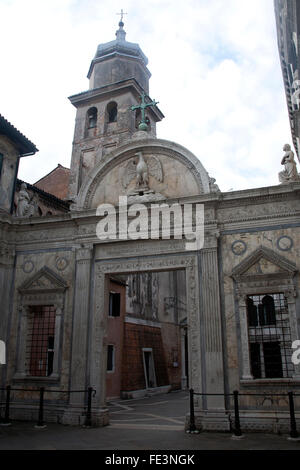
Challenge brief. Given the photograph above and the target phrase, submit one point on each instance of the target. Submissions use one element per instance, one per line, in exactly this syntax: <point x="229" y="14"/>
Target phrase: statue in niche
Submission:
<point x="33" y="209"/>
<point x="289" y="174"/>
<point x="27" y="206"/>
<point x="23" y="201"/>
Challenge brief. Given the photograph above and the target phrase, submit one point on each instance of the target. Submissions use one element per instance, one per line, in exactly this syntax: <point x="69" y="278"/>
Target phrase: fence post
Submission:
<point x="237" y="425"/>
<point x="88" y="419"/>
<point x="40" y="422"/>
<point x="192" y="427"/>
<point x="293" y="431"/>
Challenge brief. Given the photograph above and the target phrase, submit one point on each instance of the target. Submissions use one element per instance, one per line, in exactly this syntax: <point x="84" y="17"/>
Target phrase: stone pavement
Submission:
<point x="152" y="423"/>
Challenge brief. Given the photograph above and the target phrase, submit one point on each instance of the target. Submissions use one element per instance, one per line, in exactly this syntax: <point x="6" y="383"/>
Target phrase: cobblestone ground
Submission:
<point x="152" y="423"/>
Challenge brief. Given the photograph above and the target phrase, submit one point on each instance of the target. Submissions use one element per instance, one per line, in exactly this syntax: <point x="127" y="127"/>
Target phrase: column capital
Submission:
<point x="291" y="294"/>
<point x="7" y="254"/>
<point x="211" y="239"/>
<point x="84" y="252"/>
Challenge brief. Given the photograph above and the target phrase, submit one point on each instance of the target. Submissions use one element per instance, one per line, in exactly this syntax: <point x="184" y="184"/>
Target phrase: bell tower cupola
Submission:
<point x="119" y="60"/>
<point x="109" y="113"/>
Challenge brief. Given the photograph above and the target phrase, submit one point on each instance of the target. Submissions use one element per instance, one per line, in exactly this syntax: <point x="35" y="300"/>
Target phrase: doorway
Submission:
<point x="146" y="318"/>
<point x="149" y="368"/>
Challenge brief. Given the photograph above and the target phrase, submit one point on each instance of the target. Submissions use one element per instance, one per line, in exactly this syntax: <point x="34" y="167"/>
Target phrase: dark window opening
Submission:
<point x="261" y="313"/>
<point x="269" y="336"/>
<point x="41" y="340"/>
<point x="110" y="357"/>
<point x="92" y="118"/>
<point x="255" y="360"/>
<point x="50" y="355"/>
<point x="112" y="112"/>
<point x="114" y="304"/>
<point x="272" y="359"/>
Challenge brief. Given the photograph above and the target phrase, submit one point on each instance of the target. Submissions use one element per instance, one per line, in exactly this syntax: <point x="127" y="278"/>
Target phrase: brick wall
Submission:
<point x="137" y="337"/>
<point x="56" y="182"/>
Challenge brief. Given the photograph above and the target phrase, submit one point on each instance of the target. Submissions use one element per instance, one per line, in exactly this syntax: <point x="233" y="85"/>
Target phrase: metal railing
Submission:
<point x="42" y="390"/>
<point x="237" y="431"/>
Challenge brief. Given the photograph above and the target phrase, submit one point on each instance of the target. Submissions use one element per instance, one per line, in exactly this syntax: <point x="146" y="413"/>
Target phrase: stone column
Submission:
<point x="7" y="256"/>
<point x="79" y="365"/>
<point x="56" y="356"/>
<point x="22" y="371"/>
<point x="98" y="346"/>
<point x="98" y="353"/>
<point x="183" y="359"/>
<point x="211" y="335"/>
<point x="246" y="369"/>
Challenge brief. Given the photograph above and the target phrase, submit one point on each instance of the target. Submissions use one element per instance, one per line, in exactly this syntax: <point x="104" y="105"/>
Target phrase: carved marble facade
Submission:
<point x="251" y="246"/>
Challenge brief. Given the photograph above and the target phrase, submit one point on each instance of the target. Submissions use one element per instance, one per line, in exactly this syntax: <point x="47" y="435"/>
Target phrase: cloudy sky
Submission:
<point x="215" y="72"/>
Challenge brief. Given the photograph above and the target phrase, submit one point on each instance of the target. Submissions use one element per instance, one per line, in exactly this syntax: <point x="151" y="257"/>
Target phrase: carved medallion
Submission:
<point x="284" y="243"/>
<point x="28" y="266"/>
<point x="61" y="263"/>
<point x="238" y="247"/>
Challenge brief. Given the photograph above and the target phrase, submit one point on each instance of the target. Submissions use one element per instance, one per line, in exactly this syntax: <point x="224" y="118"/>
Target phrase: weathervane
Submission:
<point x="143" y="126"/>
<point x="121" y="14"/>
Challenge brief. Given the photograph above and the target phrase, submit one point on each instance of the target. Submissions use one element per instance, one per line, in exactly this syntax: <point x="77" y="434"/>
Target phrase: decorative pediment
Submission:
<point x="264" y="262"/>
<point x="44" y="280"/>
<point x="151" y="169"/>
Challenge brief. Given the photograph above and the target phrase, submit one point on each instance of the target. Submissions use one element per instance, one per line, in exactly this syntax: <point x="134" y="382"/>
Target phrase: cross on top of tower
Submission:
<point x="143" y="126"/>
<point x="122" y="13"/>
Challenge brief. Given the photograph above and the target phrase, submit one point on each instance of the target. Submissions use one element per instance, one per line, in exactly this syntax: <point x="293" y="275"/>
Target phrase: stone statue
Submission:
<point x="139" y="169"/>
<point x="289" y="174"/>
<point x="27" y="207"/>
<point x="23" y="201"/>
<point x="214" y="188"/>
<point x="33" y="209"/>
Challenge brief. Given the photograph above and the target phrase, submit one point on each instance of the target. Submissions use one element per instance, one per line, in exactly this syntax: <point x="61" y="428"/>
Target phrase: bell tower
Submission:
<point x="108" y="114"/>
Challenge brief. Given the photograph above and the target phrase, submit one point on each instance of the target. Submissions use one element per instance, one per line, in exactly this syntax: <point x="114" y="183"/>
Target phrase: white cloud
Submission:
<point x="215" y="71"/>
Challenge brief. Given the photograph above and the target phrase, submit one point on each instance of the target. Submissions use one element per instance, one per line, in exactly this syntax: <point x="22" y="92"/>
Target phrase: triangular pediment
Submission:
<point x="264" y="261"/>
<point x="44" y="280"/>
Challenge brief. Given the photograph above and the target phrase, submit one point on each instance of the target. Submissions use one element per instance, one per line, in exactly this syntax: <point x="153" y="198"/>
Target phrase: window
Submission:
<point x="114" y="304"/>
<point x="263" y="313"/>
<point x="110" y="358"/>
<point x="112" y="112"/>
<point x="92" y="118"/>
<point x="41" y="340"/>
<point x="269" y="336"/>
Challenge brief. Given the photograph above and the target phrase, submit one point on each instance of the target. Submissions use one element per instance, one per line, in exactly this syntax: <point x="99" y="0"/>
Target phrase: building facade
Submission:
<point x="218" y="317"/>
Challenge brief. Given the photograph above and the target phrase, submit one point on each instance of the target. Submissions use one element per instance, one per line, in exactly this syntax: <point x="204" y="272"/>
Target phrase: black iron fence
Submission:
<point x="90" y="392"/>
<point x="236" y="428"/>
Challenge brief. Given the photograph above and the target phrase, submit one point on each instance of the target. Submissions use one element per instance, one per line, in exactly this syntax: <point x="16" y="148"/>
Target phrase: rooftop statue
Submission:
<point x="289" y="174"/>
<point x="27" y="206"/>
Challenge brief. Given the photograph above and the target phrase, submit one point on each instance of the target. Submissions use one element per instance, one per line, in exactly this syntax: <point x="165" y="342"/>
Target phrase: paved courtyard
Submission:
<point x="152" y="423"/>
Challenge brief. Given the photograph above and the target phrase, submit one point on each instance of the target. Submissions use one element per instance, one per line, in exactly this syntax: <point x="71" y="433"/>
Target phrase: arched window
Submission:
<point x="92" y="118"/>
<point x="112" y="112"/>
